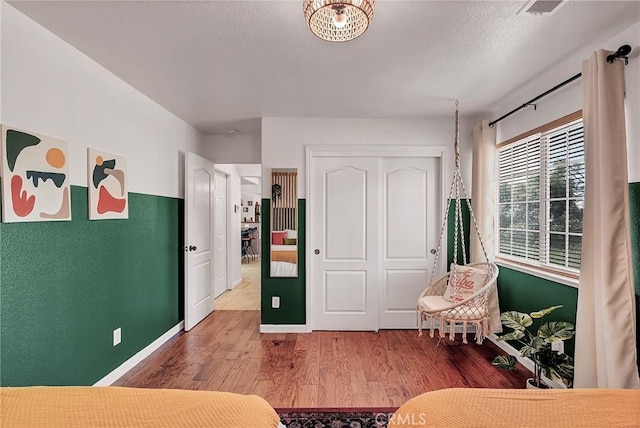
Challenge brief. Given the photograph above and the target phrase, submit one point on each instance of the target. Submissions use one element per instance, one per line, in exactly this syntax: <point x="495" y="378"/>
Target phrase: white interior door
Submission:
<point x="220" y="235"/>
<point x="344" y="237"/>
<point x="411" y="210"/>
<point x="199" y="222"/>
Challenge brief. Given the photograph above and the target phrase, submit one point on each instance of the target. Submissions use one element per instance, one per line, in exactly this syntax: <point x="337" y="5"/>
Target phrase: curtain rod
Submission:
<point x="621" y="53"/>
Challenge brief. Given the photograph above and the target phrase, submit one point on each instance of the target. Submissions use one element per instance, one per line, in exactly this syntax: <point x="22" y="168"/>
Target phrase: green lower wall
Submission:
<point x="522" y="292"/>
<point x="67" y="285"/>
<point x="291" y="290"/>
<point x="466" y="220"/>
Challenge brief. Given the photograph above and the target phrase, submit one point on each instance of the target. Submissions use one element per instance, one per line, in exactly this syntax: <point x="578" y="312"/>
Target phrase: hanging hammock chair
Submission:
<point x="461" y="296"/>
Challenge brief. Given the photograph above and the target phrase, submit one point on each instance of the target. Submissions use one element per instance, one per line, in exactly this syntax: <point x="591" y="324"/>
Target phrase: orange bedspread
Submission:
<point x="284" y="256"/>
<point x="107" y="407"/>
<point x="497" y="408"/>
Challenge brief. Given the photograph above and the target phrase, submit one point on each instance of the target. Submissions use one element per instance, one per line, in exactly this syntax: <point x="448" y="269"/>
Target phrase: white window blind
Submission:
<point x="541" y="198"/>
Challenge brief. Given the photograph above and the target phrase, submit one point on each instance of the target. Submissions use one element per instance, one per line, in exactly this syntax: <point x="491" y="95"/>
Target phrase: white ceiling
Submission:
<point x="224" y="64"/>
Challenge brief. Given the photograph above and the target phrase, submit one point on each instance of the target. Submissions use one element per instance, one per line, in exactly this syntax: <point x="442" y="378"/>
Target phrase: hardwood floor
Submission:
<point x="225" y="352"/>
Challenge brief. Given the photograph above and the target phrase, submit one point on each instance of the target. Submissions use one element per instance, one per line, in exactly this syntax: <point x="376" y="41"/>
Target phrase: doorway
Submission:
<point x="245" y="295"/>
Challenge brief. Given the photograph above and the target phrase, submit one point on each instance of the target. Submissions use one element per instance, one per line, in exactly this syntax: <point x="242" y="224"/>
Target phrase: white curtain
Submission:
<point x="605" y="325"/>
<point x="482" y="203"/>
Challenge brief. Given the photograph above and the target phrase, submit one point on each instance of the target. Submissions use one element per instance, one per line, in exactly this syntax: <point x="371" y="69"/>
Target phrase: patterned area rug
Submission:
<point x="336" y="418"/>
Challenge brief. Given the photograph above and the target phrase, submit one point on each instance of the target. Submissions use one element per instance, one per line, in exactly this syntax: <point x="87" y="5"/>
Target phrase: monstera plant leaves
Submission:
<point x="515" y="320"/>
<point x="543" y="312"/>
<point x="505" y="362"/>
<point x="556" y="330"/>
<point x="536" y="345"/>
<point x="514" y="335"/>
<point x="556" y="366"/>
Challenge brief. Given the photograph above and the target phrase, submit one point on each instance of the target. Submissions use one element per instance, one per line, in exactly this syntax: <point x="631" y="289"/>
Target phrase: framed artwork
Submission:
<point x="107" y="184"/>
<point x="35" y="177"/>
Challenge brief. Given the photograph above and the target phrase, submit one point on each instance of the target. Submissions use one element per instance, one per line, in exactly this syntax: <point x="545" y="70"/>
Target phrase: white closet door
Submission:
<point x="410" y="207"/>
<point x="345" y="228"/>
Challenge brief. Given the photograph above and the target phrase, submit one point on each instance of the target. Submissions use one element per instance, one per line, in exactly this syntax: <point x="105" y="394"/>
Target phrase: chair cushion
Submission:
<point x="464" y="281"/>
<point x="431" y="303"/>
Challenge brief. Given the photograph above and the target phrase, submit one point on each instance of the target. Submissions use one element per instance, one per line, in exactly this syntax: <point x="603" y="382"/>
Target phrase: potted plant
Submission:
<point x="537" y="345"/>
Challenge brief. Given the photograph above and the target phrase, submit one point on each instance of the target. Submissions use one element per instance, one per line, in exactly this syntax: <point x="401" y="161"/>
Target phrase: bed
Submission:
<point x="508" y="408"/>
<point x="285" y="269"/>
<point x="108" y="407"/>
<point x="284" y="253"/>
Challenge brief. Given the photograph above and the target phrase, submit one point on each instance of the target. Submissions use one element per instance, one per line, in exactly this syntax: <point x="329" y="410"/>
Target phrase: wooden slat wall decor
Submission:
<point x="284" y="207"/>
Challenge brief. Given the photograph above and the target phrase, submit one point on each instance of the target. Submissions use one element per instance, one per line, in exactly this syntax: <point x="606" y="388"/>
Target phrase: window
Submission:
<point x="540" y="191"/>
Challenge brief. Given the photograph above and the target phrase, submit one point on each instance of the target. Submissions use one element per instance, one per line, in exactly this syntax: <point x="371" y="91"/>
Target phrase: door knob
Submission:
<point x="433" y="251"/>
<point x="192" y="248"/>
<point x="317" y="251"/>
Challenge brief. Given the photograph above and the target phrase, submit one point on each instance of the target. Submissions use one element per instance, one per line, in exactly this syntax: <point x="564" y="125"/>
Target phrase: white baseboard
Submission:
<point x="141" y="355"/>
<point x="235" y="284"/>
<point x="524" y="361"/>
<point x="284" y="328"/>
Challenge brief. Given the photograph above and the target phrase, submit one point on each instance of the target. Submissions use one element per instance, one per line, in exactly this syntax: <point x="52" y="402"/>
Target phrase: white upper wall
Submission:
<point x="238" y="149"/>
<point x="51" y="88"/>
<point x="569" y="99"/>
<point x="250" y="170"/>
<point x="284" y="140"/>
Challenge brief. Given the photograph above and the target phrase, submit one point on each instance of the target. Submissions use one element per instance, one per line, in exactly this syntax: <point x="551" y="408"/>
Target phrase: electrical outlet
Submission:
<point x="558" y="345"/>
<point x="275" y="302"/>
<point x="117" y="336"/>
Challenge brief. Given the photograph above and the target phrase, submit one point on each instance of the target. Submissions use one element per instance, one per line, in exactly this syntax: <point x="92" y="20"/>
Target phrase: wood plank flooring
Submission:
<point x="225" y="352"/>
<point x="246" y="295"/>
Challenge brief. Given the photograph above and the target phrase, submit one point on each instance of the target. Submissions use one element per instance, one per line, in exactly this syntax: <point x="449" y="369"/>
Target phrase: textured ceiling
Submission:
<point x="224" y="64"/>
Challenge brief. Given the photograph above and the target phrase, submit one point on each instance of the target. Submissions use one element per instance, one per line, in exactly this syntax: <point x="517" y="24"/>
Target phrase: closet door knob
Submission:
<point x="192" y="248"/>
<point x="317" y="251"/>
<point x="433" y="251"/>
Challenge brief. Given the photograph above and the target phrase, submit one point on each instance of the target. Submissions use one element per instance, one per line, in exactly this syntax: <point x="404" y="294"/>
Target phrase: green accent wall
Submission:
<point x="466" y="220"/>
<point x="292" y="291"/>
<point x="522" y="292"/>
<point x="67" y="285"/>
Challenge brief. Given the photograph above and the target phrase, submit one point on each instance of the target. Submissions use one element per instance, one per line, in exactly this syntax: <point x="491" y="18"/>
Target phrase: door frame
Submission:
<point x="227" y="232"/>
<point x="378" y="151"/>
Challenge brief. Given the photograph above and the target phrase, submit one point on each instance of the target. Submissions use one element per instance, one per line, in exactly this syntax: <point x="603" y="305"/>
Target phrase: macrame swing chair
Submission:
<point x="462" y="294"/>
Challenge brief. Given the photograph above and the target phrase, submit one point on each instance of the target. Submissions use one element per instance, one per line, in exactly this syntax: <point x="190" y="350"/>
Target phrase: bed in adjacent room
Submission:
<point x="284" y="253"/>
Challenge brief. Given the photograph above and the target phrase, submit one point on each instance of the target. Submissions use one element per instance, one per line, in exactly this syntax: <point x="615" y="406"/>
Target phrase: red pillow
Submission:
<point x="277" y="238"/>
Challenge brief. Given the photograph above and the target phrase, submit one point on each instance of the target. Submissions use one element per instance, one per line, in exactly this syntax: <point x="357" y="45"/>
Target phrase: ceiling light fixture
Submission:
<point x="338" y="20"/>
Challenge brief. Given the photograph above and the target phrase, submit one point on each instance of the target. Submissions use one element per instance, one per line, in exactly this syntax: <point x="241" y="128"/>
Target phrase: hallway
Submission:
<point x="246" y="296"/>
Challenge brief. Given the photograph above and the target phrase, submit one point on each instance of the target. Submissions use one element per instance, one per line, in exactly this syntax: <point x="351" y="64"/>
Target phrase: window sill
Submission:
<point x="531" y="270"/>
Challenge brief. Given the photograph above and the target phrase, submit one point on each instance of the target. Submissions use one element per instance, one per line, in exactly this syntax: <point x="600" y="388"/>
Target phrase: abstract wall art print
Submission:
<point x="35" y="177"/>
<point x="107" y="183"/>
